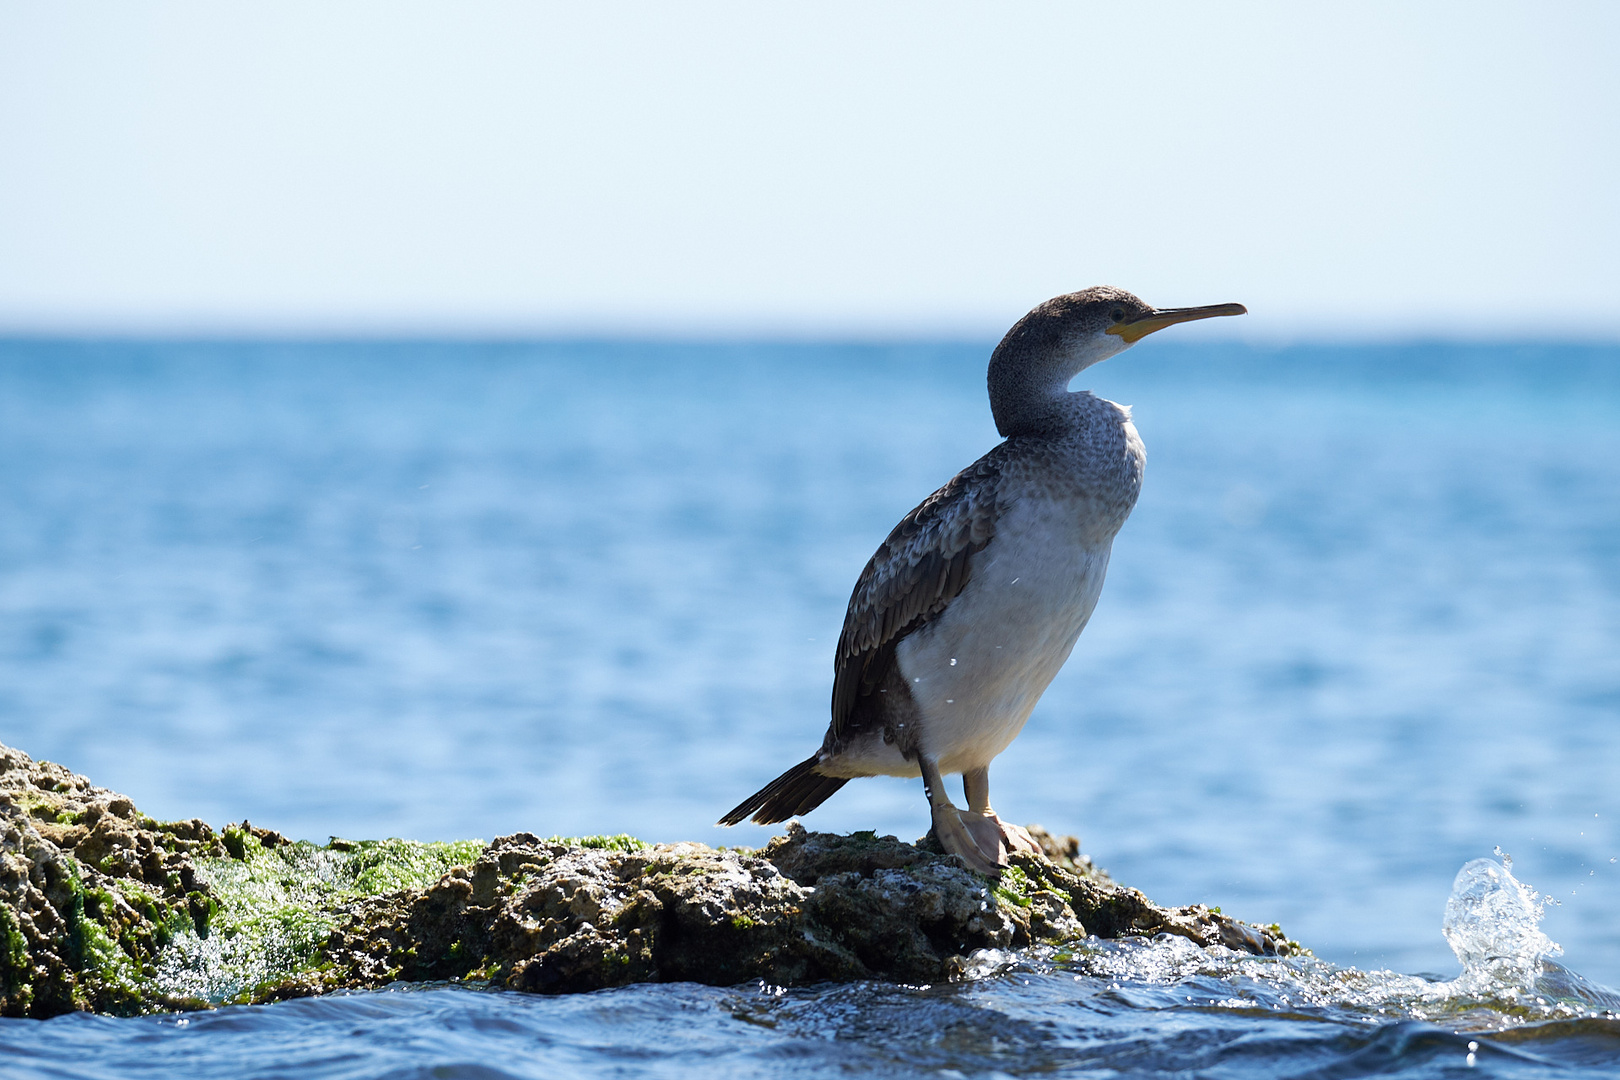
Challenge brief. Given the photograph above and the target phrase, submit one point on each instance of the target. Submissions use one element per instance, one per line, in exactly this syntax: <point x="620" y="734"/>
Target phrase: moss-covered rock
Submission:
<point x="106" y="910"/>
<point x="91" y="892"/>
<point x="275" y="904"/>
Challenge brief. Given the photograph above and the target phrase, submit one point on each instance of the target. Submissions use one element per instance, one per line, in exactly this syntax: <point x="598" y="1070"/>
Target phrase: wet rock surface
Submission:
<point x="91" y="891"/>
<point x="106" y="910"/>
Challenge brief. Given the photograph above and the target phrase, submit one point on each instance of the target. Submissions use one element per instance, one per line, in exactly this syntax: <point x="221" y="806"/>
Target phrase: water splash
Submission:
<point x="1493" y="925"/>
<point x="1492" y="922"/>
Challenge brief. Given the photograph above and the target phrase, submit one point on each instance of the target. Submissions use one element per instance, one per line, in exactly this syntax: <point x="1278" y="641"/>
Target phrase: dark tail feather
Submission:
<point x="798" y="791"/>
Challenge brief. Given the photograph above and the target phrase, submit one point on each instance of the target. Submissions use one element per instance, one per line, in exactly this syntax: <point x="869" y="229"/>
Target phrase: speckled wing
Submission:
<point x="915" y="573"/>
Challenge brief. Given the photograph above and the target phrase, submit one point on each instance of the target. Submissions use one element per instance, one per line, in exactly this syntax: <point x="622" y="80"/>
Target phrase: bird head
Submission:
<point x="1067" y="334"/>
<point x="1096" y="323"/>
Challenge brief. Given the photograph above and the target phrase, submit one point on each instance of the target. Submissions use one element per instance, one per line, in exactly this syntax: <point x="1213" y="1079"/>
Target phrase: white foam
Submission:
<point x="1493" y="924"/>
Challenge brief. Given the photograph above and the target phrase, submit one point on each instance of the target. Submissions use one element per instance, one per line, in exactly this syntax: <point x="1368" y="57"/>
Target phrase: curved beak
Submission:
<point x="1135" y="331"/>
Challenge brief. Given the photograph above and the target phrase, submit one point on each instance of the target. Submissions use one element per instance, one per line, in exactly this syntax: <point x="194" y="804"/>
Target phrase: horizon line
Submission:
<point x="1387" y="337"/>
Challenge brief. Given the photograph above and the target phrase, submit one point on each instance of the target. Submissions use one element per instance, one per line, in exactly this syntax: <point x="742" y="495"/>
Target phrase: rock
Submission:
<point x="103" y="909"/>
<point x="90" y="892"/>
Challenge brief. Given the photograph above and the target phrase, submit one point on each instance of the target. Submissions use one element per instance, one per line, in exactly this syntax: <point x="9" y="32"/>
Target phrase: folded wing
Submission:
<point x="916" y="572"/>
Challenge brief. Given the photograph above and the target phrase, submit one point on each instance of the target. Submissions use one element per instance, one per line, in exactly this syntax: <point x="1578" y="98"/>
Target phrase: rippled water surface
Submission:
<point x="1363" y="627"/>
<point x="1104" y="1009"/>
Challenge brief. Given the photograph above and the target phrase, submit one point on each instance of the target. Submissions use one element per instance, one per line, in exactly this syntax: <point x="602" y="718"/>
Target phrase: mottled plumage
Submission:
<point x="914" y="575"/>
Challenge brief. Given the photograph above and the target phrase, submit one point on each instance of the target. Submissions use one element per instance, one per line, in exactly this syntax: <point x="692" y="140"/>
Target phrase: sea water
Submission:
<point x="1362" y="629"/>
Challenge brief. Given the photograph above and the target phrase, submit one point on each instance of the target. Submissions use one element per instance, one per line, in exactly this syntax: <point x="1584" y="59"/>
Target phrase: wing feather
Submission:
<point x="925" y="562"/>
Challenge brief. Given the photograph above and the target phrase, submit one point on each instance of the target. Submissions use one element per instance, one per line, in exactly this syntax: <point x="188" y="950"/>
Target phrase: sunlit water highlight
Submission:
<point x="1363" y="626"/>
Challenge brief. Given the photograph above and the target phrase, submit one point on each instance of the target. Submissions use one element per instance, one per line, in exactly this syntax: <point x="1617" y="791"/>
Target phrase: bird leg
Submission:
<point x="975" y="838"/>
<point x="976" y="785"/>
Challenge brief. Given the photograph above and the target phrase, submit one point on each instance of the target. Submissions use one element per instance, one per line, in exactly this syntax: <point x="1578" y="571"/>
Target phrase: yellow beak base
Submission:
<point x="1135" y="331"/>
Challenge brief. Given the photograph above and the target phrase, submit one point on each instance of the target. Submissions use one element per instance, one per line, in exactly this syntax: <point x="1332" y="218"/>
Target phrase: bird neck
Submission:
<point x="1029" y="389"/>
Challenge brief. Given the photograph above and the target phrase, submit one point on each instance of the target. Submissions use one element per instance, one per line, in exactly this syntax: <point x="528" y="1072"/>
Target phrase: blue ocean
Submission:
<point x="1362" y="629"/>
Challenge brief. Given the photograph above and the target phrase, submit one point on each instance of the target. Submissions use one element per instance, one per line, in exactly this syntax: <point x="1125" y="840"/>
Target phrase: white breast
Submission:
<point x="978" y="669"/>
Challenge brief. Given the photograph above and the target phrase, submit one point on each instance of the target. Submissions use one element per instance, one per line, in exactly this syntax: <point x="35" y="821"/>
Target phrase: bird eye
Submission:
<point x="1119" y="314"/>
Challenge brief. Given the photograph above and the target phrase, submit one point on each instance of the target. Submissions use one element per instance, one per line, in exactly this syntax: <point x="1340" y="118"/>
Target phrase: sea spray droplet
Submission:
<point x="1492" y="923"/>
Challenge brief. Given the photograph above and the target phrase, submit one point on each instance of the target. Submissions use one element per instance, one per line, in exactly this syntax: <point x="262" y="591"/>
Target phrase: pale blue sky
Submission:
<point x="755" y="168"/>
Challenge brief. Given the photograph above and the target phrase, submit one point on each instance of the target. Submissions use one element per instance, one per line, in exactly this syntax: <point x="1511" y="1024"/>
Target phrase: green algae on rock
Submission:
<point x="103" y="909"/>
<point x="91" y="892"/>
<point x="276" y="904"/>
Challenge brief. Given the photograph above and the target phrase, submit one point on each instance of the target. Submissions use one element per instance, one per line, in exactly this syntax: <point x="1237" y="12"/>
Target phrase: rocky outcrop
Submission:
<point x="544" y="916"/>
<point x="90" y="890"/>
<point x="104" y="909"/>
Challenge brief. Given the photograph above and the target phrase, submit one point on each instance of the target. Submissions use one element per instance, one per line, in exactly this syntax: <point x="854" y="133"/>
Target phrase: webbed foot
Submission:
<point x="976" y="786"/>
<point x="982" y="840"/>
<point x="1016" y="837"/>
<point x="975" y="838"/>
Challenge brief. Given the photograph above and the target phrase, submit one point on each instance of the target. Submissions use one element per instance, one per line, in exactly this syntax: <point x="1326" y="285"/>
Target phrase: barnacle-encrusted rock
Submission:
<point x="106" y="910"/>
